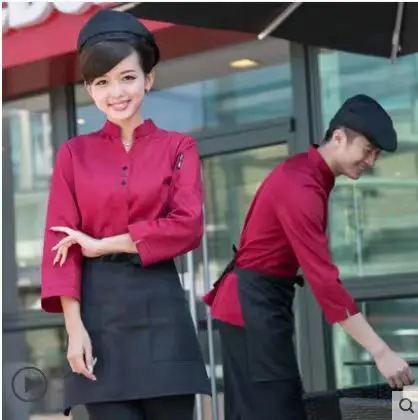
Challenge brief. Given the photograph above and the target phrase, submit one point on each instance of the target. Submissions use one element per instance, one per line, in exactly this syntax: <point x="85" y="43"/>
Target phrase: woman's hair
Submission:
<point x="97" y="59"/>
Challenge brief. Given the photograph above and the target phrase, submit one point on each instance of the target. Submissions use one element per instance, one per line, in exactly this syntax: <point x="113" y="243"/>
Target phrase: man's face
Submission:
<point x="355" y="154"/>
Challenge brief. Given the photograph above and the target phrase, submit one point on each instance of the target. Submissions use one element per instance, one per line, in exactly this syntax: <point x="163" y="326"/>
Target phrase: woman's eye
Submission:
<point x="129" y="78"/>
<point x="100" y="83"/>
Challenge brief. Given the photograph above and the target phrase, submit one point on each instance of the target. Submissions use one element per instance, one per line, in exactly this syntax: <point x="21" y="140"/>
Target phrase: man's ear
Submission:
<point x="339" y="135"/>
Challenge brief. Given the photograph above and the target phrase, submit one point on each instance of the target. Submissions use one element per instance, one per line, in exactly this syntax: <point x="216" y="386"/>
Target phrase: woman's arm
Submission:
<point x="60" y="285"/>
<point x="62" y="209"/>
<point x="72" y="316"/>
<point x="118" y="243"/>
<point x="181" y="229"/>
<point x="155" y="240"/>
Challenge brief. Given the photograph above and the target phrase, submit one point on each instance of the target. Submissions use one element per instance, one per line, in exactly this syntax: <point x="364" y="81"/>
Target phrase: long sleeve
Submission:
<point x="181" y="229"/>
<point x="62" y="210"/>
<point x="302" y="215"/>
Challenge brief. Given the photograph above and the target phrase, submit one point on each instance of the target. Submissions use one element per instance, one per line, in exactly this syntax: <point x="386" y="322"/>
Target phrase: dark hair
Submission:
<point x="97" y="59"/>
<point x="351" y="134"/>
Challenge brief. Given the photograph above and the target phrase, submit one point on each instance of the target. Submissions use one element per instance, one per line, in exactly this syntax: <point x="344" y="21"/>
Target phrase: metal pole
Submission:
<point x="279" y="20"/>
<point x="209" y="323"/>
<point x="193" y="310"/>
<point x="358" y="233"/>
<point x="396" y="32"/>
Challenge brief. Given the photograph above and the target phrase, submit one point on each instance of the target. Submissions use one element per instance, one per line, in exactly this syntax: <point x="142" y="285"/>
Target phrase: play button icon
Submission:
<point x="29" y="384"/>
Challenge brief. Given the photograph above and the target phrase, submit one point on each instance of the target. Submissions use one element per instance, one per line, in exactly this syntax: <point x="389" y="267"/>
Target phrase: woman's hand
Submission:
<point x="90" y="247"/>
<point x="80" y="353"/>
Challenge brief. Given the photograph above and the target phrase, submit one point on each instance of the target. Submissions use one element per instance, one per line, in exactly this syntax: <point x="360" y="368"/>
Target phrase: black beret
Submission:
<point x="108" y="24"/>
<point x="363" y="114"/>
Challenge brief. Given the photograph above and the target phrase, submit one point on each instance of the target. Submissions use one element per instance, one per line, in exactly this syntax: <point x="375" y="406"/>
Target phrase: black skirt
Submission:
<point x="142" y="335"/>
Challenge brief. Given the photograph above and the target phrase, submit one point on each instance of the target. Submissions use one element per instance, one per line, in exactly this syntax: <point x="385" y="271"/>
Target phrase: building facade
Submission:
<point x="249" y="104"/>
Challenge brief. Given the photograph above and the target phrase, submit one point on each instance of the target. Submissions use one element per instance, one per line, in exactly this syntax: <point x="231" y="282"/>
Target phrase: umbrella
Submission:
<point x="378" y="29"/>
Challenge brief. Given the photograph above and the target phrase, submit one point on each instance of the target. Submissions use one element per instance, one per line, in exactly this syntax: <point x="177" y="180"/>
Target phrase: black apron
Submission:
<point x="142" y="334"/>
<point x="261" y="369"/>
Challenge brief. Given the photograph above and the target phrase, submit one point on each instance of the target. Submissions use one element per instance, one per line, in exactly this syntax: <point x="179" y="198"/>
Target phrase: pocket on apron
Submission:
<point x="271" y="357"/>
<point x="172" y="334"/>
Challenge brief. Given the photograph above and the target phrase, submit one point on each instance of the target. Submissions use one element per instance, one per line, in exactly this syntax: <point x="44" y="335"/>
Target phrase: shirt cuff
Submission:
<point x="336" y="316"/>
<point x="144" y="253"/>
<point x="51" y="298"/>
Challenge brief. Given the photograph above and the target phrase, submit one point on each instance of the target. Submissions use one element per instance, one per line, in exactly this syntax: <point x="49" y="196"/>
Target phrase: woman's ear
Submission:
<point x="149" y="80"/>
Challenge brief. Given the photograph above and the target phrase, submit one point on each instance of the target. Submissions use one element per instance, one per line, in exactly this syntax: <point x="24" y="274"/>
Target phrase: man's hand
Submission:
<point x="396" y="371"/>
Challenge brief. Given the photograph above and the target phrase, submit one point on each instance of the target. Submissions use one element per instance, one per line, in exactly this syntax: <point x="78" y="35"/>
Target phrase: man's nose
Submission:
<point x="371" y="160"/>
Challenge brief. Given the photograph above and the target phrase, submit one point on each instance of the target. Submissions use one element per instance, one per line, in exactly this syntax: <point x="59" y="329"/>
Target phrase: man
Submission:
<point x="285" y="229"/>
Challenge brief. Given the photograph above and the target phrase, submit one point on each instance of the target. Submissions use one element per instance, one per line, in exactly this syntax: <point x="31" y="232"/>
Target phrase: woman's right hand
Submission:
<point x="396" y="370"/>
<point x="80" y="352"/>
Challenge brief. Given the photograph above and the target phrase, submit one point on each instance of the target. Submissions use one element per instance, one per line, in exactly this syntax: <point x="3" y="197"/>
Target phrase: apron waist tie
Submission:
<point x="299" y="280"/>
<point x="229" y="267"/>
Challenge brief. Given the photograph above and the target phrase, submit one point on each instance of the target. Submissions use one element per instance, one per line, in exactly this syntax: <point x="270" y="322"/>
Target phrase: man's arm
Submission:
<point x="302" y="216"/>
<point x="301" y="213"/>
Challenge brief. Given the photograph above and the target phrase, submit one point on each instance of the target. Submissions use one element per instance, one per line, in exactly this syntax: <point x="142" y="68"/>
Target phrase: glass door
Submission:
<point x="230" y="183"/>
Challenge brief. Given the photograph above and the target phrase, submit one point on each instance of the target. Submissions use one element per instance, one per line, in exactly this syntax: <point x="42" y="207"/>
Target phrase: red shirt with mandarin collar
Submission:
<point x="153" y="192"/>
<point x="285" y="229"/>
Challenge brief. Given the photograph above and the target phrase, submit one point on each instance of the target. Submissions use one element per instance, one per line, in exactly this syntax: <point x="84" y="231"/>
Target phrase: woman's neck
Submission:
<point x="127" y="127"/>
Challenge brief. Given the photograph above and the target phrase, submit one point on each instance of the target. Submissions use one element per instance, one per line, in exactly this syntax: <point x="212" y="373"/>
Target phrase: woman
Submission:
<point x="124" y="202"/>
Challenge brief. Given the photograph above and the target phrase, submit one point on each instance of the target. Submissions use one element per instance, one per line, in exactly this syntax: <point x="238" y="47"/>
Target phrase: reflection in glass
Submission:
<point x="396" y="321"/>
<point x="29" y="126"/>
<point x="374" y="221"/>
<point x="247" y="97"/>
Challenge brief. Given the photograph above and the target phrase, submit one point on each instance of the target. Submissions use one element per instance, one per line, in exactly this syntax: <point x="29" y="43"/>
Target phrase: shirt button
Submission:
<point x="124" y="168"/>
<point x="123" y="182"/>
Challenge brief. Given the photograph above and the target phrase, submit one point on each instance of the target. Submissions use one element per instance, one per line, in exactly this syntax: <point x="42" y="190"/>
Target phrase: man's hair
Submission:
<point x="351" y="134"/>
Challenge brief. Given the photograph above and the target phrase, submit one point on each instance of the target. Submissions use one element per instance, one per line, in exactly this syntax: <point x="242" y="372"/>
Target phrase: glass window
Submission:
<point x="374" y="221"/>
<point x="230" y="183"/>
<point x="32" y="159"/>
<point x="190" y="97"/>
<point x="45" y="350"/>
<point x="88" y="117"/>
<point x="396" y="321"/>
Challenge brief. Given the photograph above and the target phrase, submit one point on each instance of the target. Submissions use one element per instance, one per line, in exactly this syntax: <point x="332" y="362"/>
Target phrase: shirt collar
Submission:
<point x="113" y="130"/>
<point x="326" y="176"/>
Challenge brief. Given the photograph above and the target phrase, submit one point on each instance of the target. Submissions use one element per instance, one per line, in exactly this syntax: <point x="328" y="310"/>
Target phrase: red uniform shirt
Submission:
<point x="285" y="229"/>
<point x="153" y="192"/>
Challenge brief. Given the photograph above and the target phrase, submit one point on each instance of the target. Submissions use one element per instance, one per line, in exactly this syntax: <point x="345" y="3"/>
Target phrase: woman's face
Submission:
<point x="120" y="92"/>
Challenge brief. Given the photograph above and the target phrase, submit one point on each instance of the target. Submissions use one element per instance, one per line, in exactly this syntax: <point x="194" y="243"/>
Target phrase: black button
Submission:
<point x="123" y="182"/>
<point x="124" y="168"/>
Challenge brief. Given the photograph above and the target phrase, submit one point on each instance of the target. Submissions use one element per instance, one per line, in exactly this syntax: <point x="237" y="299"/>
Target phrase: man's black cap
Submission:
<point x="111" y="25"/>
<point x="363" y="114"/>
